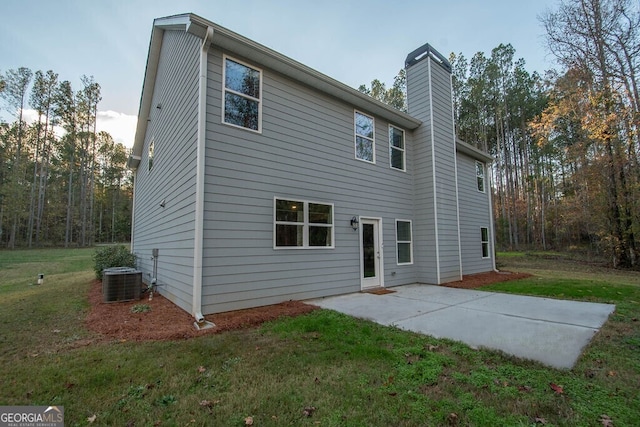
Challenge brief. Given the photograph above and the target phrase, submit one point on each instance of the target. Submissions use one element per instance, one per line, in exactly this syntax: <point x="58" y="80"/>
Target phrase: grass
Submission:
<point x="323" y="368"/>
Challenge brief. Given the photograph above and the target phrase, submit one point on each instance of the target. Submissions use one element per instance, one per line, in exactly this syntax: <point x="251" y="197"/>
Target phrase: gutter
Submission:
<point x="198" y="238"/>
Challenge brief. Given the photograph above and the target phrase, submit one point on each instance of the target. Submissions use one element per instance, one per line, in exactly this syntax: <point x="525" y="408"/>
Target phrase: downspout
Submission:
<point x="491" y="219"/>
<point x="198" y="238"/>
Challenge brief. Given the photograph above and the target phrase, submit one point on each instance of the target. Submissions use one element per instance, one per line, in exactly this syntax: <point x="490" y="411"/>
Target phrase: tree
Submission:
<point x="396" y="96"/>
<point x="601" y="39"/>
<point x="41" y="100"/>
<point x="16" y="83"/>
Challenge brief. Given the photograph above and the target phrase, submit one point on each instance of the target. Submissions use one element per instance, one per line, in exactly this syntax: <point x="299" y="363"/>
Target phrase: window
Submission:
<point x="365" y="143"/>
<point x="151" y="156"/>
<point x="301" y="224"/>
<point x="396" y="148"/>
<point x="484" y="236"/>
<point x="404" y="243"/>
<point x="480" y="176"/>
<point x="242" y="104"/>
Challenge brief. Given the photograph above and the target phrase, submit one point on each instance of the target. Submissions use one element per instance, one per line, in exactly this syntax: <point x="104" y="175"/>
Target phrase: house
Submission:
<point x="260" y="180"/>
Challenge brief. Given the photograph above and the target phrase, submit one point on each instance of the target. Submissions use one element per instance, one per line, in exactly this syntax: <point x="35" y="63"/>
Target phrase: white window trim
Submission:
<point x="225" y="90"/>
<point x="484" y="177"/>
<point x="355" y="136"/>
<point x="404" y="241"/>
<point x="305" y="224"/>
<point x="483" y="242"/>
<point x="151" y="155"/>
<point x="403" y="149"/>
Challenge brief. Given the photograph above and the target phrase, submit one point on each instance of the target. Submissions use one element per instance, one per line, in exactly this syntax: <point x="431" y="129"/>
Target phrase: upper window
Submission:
<point x="242" y="102"/>
<point x="151" y="155"/>
<point x="484" y="237"/>
<point x="301" y="224"/>
<point x="365" y="134"/>
<point x="404" y="242"/>
<point x="396" y="148"/>
<point x="480" y="176"/>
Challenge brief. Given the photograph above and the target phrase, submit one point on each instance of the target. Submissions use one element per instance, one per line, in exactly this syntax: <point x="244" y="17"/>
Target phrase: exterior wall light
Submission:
<point x="354" y="223"/>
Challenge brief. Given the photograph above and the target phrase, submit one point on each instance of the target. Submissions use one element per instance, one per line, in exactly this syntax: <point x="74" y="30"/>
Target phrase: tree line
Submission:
<point x="565" y="144"/>
<point x="61" y="181"/>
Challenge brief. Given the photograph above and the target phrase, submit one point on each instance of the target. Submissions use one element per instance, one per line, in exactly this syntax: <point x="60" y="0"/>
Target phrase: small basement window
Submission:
<point x="484" y="237"/>
<point x="404" y="242"/>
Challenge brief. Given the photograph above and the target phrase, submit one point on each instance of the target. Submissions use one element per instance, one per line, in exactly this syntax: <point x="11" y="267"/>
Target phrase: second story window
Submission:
<point x="365" y="138"/>
<point x="242" y="103"/>
<point x="480" y="176"/>
<point x="151" y="153"/>
<point x="396" y="148"/>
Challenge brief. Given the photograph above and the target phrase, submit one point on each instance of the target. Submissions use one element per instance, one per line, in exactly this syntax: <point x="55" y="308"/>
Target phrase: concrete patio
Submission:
<point x="553" y="332"/>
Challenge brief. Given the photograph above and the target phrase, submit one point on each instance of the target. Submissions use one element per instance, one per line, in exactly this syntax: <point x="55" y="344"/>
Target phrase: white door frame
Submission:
<point x="378" y="280"/>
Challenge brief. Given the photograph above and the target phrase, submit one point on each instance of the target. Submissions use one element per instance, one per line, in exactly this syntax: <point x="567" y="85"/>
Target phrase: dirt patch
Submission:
<point x="473" y="281"/>
<point x="166" y="321"/>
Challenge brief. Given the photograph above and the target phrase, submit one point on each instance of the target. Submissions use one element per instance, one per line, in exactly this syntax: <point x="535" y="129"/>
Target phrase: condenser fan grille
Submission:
<point x="121" y="284"/>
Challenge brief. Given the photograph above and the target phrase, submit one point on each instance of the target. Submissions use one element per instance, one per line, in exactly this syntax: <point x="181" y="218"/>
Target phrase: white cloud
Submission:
<point x="122" y="127"/>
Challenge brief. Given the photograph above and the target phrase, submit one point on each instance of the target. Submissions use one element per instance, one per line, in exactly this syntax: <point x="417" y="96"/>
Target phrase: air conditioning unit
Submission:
<point x="121" y="284"/>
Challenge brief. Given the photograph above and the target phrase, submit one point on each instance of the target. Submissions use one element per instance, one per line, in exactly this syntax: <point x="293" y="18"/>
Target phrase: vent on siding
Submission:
<point x="121" y="284"/>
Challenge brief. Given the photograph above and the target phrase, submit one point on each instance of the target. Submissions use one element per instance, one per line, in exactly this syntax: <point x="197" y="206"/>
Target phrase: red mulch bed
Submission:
<point x="473" y="281"/>
<point x="166" y="321"/>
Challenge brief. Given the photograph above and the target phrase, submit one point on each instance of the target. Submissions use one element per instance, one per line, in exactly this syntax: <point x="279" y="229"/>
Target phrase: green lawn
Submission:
<point x="319" y="369"/>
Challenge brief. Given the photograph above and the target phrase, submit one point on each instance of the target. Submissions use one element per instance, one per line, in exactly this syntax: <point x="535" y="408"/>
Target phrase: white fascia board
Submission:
<point x="473" y="152"/>
<point x="240" y="45"/>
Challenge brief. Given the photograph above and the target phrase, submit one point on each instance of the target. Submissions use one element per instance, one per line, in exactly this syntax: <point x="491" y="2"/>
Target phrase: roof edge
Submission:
<point x="238" y="44"/>
<point x="471" y="151"/>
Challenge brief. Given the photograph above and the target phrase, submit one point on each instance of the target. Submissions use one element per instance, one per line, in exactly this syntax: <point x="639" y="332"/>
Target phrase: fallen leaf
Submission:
<point x="201" y="369"/>
<point x="524" y="388"/>
<point x="206" y="403"/>
<point x="131" y="423"/>
<point x="611" y="373"/>
<point x="308" y="411"/>
<point x="69" y="386"/>
<point x="92" y="418"/>
<point x="606" y="421"/>
<point x="431" y="347"/>
<point x="555" y="387"/>
<point x="56" y="331"/>
<point x="317" y="380"/>
<point x="412" y="358"/>
<point x="452" y="419"/>
<point x="540" y="420"/>
<point x="248" y="421"/>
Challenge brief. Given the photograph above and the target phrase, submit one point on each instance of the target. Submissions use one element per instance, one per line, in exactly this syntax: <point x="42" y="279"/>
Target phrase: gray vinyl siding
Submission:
<point x="305" y="152"/>
<point x="173" y="129"/>
<point x="447" y="204"/>
<point x="418" y="99"/>
<point x="474" y="214"/>
<point x="435" y="153"/>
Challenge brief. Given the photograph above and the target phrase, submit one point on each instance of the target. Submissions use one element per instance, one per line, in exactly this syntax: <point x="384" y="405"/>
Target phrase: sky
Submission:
<point x="351" y="41"/>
